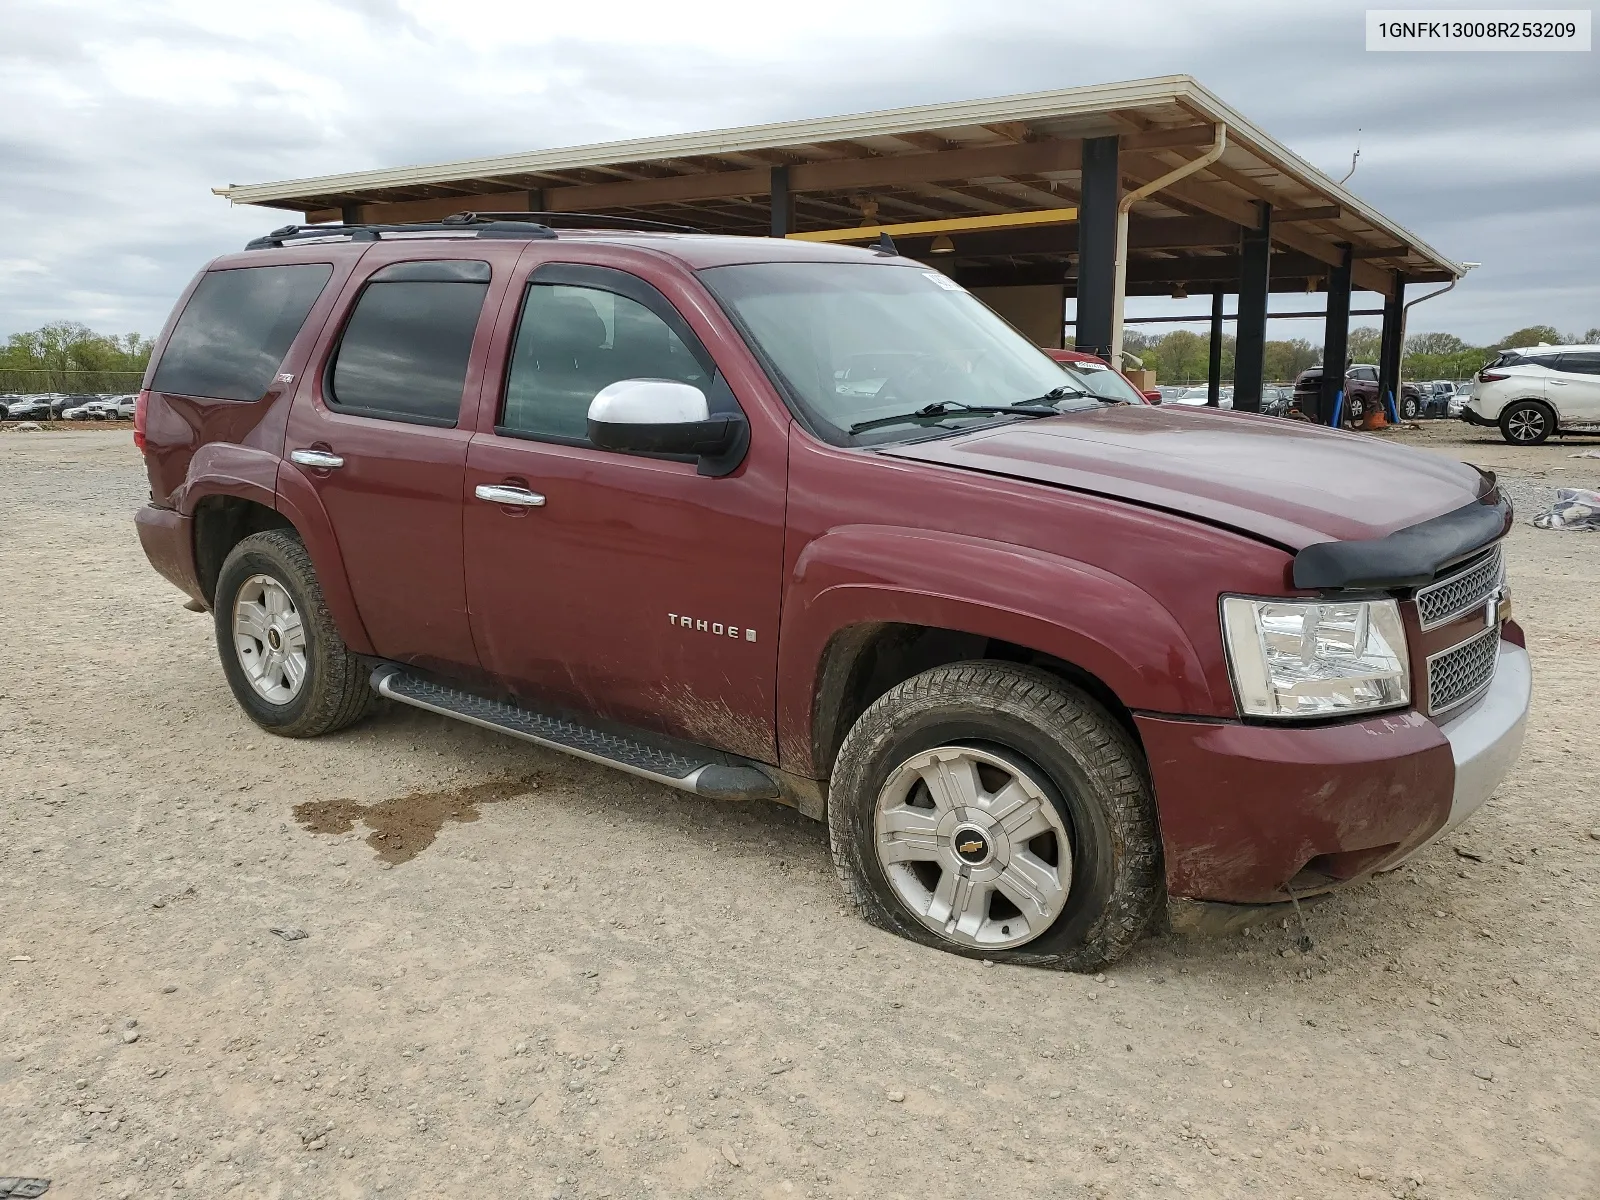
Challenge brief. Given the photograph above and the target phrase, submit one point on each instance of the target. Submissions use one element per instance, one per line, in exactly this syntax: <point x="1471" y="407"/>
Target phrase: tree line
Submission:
<point x="66" y="356"/>
<point x="1182" y="356"/>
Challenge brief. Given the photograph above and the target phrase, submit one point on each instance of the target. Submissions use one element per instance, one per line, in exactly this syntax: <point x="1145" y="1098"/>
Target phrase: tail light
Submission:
<point x="141" y="407"/>
<point x="1490" y="376"/>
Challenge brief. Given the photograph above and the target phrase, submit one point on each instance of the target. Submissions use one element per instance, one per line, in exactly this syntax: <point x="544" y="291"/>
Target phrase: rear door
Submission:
<point x="1574" y="387"/>
<point x="381" y="434"/>
<point x="635" y="589"/>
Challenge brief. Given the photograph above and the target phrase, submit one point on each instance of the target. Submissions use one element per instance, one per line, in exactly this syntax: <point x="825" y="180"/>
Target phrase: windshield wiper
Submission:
<point x="940" y="408"/>
<point x="1064" y="393"/>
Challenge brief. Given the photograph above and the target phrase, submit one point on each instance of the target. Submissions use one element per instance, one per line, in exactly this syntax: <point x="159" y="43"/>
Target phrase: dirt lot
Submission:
<point x="589" y="986"/>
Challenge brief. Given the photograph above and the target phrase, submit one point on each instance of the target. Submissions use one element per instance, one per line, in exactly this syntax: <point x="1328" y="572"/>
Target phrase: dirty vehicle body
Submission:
<point x="768" y="519"/>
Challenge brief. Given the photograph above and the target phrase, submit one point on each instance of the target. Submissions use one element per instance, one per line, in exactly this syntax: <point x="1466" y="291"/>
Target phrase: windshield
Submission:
<point x="865" y="342"/>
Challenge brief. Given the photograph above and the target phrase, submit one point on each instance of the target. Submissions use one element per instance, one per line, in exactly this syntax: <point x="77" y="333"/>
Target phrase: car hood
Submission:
<point x="1284" y="481"/>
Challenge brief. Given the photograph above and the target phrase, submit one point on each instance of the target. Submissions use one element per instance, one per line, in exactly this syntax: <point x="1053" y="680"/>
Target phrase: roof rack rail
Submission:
<point x="371" y="233"/>
<point x="484" y="225"/>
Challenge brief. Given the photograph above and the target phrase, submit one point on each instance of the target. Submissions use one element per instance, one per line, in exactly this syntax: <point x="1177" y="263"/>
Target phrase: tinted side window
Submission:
<point x="404" y="353"/>
<point x="573" y="341"/>
<point x="236" y="329"/>
<point x="1586" y="363"/>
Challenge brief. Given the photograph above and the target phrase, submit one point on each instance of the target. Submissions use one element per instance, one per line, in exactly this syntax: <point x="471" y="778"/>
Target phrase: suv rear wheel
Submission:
<point x="991" y="810"/>
<point x="1527" y="423"/>
<point x="287" y="665"/>
<point x="1409" y="408"/>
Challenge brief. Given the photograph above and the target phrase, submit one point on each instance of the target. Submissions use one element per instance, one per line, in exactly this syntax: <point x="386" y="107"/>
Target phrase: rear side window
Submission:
<point x="1583" y="363"/>
<point x="403" y="356"/>
<point x="236" y="328"/>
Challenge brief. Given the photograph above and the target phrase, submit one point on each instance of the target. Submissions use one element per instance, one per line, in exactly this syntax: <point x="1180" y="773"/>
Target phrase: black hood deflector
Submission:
<point x="1408" y="557"/>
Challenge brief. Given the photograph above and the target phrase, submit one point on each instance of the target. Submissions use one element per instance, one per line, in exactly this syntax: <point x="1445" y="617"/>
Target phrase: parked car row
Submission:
<point x="58" y="406"/>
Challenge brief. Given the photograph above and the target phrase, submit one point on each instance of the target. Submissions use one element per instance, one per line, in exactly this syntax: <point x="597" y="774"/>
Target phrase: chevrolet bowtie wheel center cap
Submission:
<point x="972" y="845"/>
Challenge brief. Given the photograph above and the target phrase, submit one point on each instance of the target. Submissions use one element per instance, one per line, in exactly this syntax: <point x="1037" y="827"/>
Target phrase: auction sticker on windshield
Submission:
<point x="1477" y="29"/>
<point x="944" y="281"/>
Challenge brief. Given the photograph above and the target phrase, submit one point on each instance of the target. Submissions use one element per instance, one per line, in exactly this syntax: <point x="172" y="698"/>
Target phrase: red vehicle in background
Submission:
<point x="1102" y="380"/>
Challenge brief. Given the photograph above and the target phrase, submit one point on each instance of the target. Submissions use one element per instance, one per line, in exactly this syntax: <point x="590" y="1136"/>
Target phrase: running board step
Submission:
<point x="690" y="770"/>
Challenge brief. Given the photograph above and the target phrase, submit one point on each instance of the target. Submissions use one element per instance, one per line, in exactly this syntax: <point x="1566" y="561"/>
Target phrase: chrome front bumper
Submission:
<point x="1486" y="739"/>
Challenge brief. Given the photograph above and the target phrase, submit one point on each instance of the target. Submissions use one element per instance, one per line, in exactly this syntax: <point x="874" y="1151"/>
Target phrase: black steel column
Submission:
<point x="1214" y="365"/>
<point x="536" y="200"/>
<point x="1255" y="267"/>
<point x="1097" y="245"/>
<point x="1391" y="347"/>
<point x="1336" y="338"/>
<point x="350" y="214"/>
<point x="782" y="203"/>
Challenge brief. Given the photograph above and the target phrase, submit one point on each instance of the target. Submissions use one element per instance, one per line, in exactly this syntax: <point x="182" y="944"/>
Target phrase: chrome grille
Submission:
<point x="1467" y="589"/>
<point x="1458" y="674"/>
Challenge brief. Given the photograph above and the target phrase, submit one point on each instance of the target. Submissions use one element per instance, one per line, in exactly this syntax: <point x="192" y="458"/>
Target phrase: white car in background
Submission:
<point x="1196" y="397"/>
<point x="1532" y="392"/>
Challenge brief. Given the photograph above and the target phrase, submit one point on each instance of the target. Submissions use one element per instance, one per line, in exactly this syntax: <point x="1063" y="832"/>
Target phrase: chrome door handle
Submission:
<point x="500" y="493"/>
<point x="319" y="459"/>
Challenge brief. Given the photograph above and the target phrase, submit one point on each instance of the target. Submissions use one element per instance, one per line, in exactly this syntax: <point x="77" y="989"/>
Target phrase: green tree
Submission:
<point x="1282" y="361"/>
<point x="1531" y="336"/>
<point x="1365" y="343"/>
<point x="1434" y="344"/>
<point x="67" y="356"/>
<point x="1591" y="338"/>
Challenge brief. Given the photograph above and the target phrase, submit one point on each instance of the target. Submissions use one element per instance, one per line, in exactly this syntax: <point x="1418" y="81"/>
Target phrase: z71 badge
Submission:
<point x="714" y="628"/>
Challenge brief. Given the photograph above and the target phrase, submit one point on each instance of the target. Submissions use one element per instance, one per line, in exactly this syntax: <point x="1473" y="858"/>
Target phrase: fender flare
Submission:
<point x="1073" y="611"/>
<point x="247" y="473"/>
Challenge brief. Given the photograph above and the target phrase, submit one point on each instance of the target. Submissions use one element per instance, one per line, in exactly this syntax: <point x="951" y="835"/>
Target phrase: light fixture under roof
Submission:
<point x="942" y="245"/>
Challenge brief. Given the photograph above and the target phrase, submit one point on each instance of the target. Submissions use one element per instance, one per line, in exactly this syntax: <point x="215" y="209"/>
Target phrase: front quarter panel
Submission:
<point x="1126" y="594"/>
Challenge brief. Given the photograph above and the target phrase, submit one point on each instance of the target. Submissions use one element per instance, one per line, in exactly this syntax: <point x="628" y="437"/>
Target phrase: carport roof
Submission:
<point x="968" y="158"/>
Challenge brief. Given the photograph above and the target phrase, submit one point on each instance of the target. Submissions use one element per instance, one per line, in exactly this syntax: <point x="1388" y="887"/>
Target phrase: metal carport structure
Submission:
<point x="1139" y="188"/>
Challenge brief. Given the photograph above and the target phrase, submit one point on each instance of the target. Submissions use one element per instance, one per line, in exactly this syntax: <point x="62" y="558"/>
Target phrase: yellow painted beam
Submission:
<point x="866" y="233"/>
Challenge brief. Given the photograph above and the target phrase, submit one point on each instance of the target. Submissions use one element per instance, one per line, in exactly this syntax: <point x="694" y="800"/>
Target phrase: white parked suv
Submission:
<point x="1535" y="391"/>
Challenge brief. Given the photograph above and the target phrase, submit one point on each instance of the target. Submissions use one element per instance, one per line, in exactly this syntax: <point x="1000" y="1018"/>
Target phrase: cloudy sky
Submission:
<point x="117" y="117"/>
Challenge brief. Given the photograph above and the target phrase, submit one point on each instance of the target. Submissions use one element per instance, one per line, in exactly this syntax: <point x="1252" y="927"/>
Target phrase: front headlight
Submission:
<point x="1298" y="658"/>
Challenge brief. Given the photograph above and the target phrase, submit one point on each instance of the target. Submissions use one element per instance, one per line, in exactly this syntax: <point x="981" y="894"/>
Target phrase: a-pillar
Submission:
<point x="1214" y="362"/>
<point x="1335" y="339"/>
<point x="1097" y="245"/>
<point x="1393" y="339"/>
<point x="1250" y="347"/>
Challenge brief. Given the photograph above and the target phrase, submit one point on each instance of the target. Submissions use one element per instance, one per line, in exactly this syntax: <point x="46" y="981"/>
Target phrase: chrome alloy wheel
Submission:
<point x="1526" y="424"/>
<point x="973" y="847"/>
<point x="269" y="638"/>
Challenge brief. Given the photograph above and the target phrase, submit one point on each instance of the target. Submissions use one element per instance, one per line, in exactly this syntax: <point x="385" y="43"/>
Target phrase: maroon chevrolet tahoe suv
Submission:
<point x="764" y="519"/>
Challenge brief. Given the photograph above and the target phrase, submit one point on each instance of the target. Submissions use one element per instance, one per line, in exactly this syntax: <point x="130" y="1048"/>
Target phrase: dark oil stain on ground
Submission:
<point x="406" y="825"/>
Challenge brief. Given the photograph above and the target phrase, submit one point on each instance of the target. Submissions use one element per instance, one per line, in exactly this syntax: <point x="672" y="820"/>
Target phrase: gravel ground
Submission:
<point x="549" y="979"/>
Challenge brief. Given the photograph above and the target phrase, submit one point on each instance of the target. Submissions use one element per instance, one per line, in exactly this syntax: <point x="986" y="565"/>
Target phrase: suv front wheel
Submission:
<point x="991" y="810"/>
<point x="287" y="665"/>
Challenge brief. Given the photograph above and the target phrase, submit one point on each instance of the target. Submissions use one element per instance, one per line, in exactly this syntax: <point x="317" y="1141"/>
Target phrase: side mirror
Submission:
<point x="661" y="416"/>
<point x="1152" y="396"/>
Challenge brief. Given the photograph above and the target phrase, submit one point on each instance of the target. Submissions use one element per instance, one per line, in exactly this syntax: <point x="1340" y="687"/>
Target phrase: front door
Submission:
<point x="620" y="586"/>
<point x="380" y="436"/>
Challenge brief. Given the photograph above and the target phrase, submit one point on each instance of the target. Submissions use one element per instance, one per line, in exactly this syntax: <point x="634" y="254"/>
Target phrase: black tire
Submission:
<point x="1354" y="409"/>
<point x="334" y="693"/>
<point x="1408" y="408"/>
<point x="1097" y="782"/>
<point x="1527" y="423"/>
